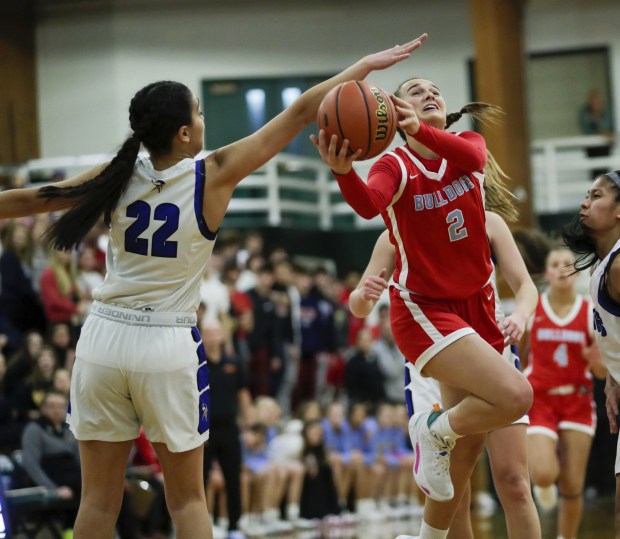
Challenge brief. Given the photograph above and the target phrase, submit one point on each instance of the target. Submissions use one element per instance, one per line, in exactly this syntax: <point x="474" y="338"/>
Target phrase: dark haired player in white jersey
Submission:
<point x="139" y="359"/>
<point x="595" y="236"/>
<point x="442" y="303"/>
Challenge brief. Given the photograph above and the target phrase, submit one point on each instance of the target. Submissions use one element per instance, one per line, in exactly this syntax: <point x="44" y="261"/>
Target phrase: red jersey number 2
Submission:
<point x="456" y="225"/>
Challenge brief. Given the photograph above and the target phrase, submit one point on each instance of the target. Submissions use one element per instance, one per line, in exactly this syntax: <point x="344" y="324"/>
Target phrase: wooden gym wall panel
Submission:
<point x="499" y="79"/>
<point x="19" y="136"/>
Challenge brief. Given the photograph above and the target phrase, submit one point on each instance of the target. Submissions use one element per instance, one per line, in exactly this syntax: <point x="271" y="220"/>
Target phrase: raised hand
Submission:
<point x="389" y="57"/>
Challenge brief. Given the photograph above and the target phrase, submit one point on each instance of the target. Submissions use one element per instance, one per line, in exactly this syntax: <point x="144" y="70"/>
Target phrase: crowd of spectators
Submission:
<point x="316" y="417"/>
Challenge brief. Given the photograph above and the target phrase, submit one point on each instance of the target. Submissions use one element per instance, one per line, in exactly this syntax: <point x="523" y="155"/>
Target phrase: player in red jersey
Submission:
<point x="562" y="357"/>
<point x="430" y="195"/>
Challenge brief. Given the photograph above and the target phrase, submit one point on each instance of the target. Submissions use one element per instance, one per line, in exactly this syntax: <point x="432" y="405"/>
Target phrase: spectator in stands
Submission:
<point x="316" y="325"/>
<point x="50" y="454"/>
<point x="595" y="118"/>
<point x="338" y="445"/>
<point x="10" y="428"/>
<point x="28" y="395"/>
<point x="363" y="378"/>
<point x="19" y="302"/>
<point x="241" y="315"/>
<point x="283" y="454"/>
<point x="40" y="250"/>
<point x="248" y="278"/>
<point x="59" y="337"/>
<point x="252" y="245"/>
<point x="213" y="292"/>
<point x="390" y="358"/>
<point x="259" y="481"/>
<point x="230" y="401"/>
<point x="366" y="469"/>
<point x="288" y="311"/>
<point x="265" y="341"/>
<point x="61" y="293"/>
<point x="89" y="273"/>
<point x="22" y="362"/>
<point x="62" y="381"/>
<point x="318" y="497"/>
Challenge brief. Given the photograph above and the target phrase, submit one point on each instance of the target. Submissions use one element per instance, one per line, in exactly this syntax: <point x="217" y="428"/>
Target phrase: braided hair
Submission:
<point x="156" y="113"/>
<point x="578" y="236"/>
<point x="498" y="198"/>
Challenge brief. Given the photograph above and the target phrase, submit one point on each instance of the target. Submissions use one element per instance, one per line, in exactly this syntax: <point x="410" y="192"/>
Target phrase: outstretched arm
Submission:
<point x="229" y="165"/>
<point x="23" y="202"/>
<point x="381" y="264"/>
<point x="510" y="263"/>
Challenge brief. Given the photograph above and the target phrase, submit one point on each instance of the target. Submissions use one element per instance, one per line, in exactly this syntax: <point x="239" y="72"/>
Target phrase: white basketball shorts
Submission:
<point x="137" y="368"/>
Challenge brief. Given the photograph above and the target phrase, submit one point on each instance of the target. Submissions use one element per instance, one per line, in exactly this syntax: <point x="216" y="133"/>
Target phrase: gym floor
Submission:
<point x="597" y="523"/>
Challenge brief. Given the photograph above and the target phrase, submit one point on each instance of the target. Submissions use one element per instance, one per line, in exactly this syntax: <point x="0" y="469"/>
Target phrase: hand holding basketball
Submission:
<point x="360" y="113"/>
<point x="407" y="118"/>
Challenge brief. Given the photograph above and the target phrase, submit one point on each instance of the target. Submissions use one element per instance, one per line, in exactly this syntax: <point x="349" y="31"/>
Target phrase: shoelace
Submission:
<point x="442" y="453"/>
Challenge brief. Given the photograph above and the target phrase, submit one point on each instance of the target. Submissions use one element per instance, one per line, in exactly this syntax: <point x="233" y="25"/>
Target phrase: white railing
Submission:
<point x="289" y="184"/>
<point x="562" y="172"/>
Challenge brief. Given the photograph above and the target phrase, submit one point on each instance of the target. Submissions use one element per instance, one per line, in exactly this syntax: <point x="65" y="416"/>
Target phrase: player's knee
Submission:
<point x="519" y="399"/>
<point x="512" y="486"/>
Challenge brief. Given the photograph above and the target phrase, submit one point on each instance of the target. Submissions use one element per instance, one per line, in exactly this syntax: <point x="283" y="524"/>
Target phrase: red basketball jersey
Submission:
<point x="436" y="223"/>
<point x="555" y="357"/>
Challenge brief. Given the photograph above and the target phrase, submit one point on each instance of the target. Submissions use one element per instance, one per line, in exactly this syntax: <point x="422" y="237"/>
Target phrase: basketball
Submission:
<point x="360" y="112"/>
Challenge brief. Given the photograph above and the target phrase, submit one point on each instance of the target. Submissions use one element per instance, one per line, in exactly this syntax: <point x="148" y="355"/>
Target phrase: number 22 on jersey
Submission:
<point x="160" y="245"/>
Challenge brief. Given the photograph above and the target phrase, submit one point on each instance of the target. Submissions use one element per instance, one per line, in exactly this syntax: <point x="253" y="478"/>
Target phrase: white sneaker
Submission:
<point x="408" y="537"/>
<point x="546" y="497"/>
<point x="431" y="469"/>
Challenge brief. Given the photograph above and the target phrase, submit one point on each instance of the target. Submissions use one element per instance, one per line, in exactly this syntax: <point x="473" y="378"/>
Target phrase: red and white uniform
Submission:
<point x="557" y="370"/>
<point x="434" y="211"/>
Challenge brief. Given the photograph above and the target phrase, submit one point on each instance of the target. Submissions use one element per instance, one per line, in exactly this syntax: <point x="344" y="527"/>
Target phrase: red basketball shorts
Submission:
<point x="569" y="411"/>
<point x="422" y="327"/>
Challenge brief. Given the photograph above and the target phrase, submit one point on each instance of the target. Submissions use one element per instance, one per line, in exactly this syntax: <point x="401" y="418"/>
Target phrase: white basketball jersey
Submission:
<point x="606" y="314"/>
<point x="159" y="241"/>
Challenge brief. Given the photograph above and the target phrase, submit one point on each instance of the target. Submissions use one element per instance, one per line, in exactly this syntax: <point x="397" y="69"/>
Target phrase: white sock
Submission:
<point x="442" y="426"/>
<point x="292" y="511"/>
<point x="428" y="532"/>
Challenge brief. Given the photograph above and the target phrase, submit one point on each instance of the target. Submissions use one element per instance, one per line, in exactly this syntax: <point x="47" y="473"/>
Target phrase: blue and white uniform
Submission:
<point x="606" y="321"/>
<point x="139" y="359"/>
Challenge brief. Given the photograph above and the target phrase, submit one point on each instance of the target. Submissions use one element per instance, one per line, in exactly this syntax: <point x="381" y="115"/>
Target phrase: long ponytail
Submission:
<point x="95" y="197"/>
<point x="498" y="198"/>
<point x="156" y="113"/>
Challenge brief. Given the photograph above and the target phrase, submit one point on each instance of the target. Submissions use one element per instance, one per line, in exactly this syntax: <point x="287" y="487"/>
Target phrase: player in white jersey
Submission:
<point x="139" y="359"/>
<point x="507" y="445"/>
<point x="595" y="236"/>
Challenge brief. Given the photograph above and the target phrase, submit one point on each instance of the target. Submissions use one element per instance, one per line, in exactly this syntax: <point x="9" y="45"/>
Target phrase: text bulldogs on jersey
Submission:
<point x="436" y="199"/>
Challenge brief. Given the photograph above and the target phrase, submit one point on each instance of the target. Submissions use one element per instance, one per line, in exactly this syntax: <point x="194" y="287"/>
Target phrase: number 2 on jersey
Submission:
<point x="160" y="246"/>
<point x="456" y="228"/>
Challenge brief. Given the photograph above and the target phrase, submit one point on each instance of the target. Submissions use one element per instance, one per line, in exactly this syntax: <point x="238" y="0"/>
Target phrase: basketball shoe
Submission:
<point x="431" y="468"/>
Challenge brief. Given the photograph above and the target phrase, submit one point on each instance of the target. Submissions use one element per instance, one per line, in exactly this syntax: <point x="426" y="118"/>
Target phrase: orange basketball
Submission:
<point x="360" y="112"/>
